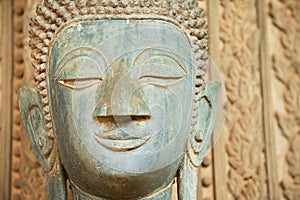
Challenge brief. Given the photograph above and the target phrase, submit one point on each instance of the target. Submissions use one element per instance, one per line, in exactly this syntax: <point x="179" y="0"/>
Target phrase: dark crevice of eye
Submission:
<point x="79" y="79"/>
<point x="81" y="82"/>
<point x="161" y="77"/>
<point x="161" y="81"/>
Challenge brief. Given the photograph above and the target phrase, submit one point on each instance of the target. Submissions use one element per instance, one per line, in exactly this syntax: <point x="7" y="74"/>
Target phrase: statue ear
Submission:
<point x="33" y="118"/>
<point x="205" y="119"/>
<point x="203" y="123"/>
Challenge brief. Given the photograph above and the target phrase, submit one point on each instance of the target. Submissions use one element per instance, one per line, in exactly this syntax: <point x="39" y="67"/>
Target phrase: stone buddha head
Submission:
<point x="121" y="108"/>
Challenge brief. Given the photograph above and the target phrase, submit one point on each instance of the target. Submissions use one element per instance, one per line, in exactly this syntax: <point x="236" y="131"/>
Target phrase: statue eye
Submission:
<point x="161" y="71"/>
<point x="79" y="83"/>
<point x="79" y="73"/>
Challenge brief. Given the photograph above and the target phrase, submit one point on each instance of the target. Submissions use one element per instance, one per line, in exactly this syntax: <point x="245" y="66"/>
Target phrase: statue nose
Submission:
<point x="120" y="105"/>
<point x="121" y="97"/>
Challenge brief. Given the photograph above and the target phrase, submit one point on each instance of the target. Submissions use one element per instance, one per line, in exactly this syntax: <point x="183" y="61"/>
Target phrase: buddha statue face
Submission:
<point x="121" y="97"/>
<point x="121" y="108"/>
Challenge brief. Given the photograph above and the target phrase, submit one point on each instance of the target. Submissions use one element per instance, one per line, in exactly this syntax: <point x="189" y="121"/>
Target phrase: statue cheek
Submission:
<point x="166" y="111"/>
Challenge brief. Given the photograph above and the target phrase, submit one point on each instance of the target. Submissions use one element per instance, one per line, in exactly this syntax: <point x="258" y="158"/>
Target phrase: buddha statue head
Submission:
<point x="121" y="107"/>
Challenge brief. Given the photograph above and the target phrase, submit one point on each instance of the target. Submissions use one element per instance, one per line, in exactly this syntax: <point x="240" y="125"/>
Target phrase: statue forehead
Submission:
<point x="117" y="37"/>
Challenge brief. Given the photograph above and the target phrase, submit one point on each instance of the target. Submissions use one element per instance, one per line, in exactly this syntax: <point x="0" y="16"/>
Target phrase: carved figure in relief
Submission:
<point x="121" y="108"/>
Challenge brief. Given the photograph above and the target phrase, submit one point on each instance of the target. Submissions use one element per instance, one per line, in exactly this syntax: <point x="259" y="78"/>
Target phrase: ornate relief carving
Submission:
<point x="18" y="74"/>
<point x="286" y="18"/>
<point x="28" y="180"/>
<point x="241" y="69"/>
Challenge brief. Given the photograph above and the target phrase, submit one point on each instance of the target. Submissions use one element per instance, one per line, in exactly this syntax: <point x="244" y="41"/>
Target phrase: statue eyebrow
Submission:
<point x="89" y="52"/>
<point x="163" y="49"/>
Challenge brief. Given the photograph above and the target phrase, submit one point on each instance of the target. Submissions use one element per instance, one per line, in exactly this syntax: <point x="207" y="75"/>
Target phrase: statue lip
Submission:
<point x="116" y="143"/>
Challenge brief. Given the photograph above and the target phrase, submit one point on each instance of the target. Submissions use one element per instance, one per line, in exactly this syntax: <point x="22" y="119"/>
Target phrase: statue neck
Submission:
<point x="163" y="194"/>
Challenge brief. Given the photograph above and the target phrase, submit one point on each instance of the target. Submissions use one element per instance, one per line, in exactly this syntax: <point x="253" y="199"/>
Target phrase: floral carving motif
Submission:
<point x="286" y="17"/>
<point x="241" y="68"/>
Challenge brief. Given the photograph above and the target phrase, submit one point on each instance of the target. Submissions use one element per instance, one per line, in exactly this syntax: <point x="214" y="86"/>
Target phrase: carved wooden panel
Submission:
<point x="285" y="60"/>
<point x="17" y="80"/>
<point x="6" y="67"/>
<point x="240" y="67"/>
<point x="28" y="179"/>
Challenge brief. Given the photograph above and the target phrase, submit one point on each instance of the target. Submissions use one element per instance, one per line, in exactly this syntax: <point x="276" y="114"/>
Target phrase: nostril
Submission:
<point x="140" y="117"/>
<point x="104" y="119"/>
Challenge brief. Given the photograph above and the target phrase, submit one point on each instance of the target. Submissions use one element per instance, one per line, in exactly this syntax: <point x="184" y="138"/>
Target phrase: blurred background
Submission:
<point x="255" y="44"/>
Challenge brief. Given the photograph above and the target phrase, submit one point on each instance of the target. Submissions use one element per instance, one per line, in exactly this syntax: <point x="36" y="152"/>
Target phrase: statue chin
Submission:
<point x="97" y="179"/>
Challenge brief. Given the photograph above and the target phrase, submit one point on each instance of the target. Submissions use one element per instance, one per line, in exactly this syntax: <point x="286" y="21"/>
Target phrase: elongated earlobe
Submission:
<point x="200" y="137"/>
<point x="207" y="108"/>
<point x="43" y="144"/>
<point x="34" y="121"/>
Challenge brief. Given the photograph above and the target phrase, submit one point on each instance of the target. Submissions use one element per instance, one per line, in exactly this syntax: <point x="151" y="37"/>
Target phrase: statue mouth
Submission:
<point x="115" y="143"/>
